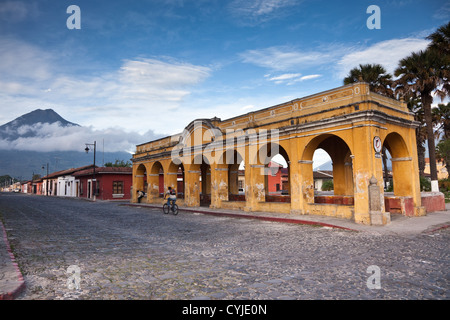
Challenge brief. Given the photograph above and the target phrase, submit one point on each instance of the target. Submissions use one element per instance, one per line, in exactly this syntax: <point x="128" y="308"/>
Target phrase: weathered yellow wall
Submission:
<point x="343" y="121"/>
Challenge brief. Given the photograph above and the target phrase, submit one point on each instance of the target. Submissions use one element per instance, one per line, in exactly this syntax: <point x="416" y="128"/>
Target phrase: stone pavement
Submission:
<point x="12" y="282"/>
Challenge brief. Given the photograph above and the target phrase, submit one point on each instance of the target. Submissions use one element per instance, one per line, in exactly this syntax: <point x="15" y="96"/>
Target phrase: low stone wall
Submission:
<point x="330" y="210"/>
<point x="278" y="198"/>
<point x="433" y="201"/>
<point x="399" y="205"/>
<point x="236" y="197"/>
<point x="331" y="199"/>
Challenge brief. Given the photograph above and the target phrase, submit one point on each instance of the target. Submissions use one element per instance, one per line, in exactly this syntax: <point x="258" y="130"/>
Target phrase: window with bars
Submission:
<point x="117" y="187"/>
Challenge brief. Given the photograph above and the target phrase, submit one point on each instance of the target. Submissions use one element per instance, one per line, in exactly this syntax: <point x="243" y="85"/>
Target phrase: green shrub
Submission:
<point x="444" y="185"/>
<point x="425" y="184"/>
<point x="327" y="185"/>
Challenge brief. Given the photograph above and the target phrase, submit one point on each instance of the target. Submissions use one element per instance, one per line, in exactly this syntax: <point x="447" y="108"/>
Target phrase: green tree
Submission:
<point x="375" y="75"/>
<point x="441" y="120"/>
<point x="118" y="163"/>
<point x="443" y="153"/>
<point x="327" y="185"/>
<point x="415" y="106"/>
<point x="440" y="39"/>
<point x="423" y="74"/>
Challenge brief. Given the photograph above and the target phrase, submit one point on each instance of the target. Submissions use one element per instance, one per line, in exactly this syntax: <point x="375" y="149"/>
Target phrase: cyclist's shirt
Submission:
<point x="172" y="194"/>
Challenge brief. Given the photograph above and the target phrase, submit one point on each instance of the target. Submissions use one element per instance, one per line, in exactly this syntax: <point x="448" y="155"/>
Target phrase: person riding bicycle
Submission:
<point x="172" y="197"/>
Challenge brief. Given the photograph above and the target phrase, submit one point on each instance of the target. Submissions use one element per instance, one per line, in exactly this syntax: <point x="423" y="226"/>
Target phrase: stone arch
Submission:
<point x="140" y="177"/>
<point x="276" y="176"/>
<point x="341" y="157"/>
<point x="230" y="161"/>
<point x="199" y="132"/>
<point x="176" y="177"/>
<point x="156" y="182"/>
<point x="201" y="166"/>
<point x="402" y="164"/>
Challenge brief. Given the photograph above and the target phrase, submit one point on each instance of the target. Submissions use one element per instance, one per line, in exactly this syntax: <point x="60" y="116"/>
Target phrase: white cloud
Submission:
<point x="251" y="12"/>
<point x="320" y="157"/>
<point x="150" y="79"/>
<point x="387" y="53"/>
<point x="292" y="78"/>
<point x="443" y="13"/>
<point x="285" y="58"/>
<point x="153" y="94"/>
<point x="309" y="77"/>
<point x="136" y="97"/>
<point x="286" y="76"/>
<point x="339" y="57"/>
<point x="21" y="61"/>
<point x="47" y="137"/>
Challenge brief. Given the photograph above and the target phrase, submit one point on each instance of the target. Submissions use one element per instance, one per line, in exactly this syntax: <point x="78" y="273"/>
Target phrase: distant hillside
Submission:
<point x="327" y="166"/>
<point x="22" y="164"/>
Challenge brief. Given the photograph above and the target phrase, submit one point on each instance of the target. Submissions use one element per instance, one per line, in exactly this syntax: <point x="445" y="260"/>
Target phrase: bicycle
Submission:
<point x="173" y="208"/>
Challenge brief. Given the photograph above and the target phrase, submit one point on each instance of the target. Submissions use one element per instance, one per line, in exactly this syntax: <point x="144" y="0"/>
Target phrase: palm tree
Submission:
<point x="380" y="82"/>
<point x="421" y="74"/>
<point x="375" y="75"/>
<point x="441" y="119"/>
<point x="440" y="39"/>
<point x="415" y="106"/>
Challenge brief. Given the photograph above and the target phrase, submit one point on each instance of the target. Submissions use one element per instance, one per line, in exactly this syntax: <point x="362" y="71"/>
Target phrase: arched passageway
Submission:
<point x="276" y="173"/>
<point x="155" y="182"/>
<point x="201" y="168"/>
<point x="233" y="162"/>
<point x="140" y="181"/>
<point x="401" y="160"/>
<point x="342" y="170"/>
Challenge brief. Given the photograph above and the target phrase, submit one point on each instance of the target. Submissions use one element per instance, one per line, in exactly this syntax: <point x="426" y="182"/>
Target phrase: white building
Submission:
<point x="62" y="183"/>
<point x="66" y="186"/>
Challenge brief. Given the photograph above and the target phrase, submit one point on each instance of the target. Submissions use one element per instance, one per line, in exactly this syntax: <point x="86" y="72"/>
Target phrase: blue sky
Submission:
<point x="139" y="69"/>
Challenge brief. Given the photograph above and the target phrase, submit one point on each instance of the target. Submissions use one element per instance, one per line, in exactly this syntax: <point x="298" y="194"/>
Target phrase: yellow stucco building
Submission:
<point x="350" y="123"/>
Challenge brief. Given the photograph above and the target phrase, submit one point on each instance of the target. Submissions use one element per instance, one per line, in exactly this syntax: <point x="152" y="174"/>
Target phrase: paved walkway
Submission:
<point x="12" y="282"/>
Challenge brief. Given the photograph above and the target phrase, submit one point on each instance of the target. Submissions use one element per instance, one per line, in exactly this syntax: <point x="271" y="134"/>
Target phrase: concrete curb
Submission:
<point x="18" y="285"/>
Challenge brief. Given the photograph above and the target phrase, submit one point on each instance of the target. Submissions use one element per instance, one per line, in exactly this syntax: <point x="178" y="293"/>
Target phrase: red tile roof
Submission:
<point x="104" y="170"/>
<point x="66" y="172"/>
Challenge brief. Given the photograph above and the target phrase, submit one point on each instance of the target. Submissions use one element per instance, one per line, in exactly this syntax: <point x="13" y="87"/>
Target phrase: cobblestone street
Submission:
<point x="124" y="252"/>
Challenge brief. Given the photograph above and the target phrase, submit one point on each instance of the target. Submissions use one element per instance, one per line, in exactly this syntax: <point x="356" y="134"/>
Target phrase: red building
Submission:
<point x="277" y="178"/>
<point x="111" y="183"/>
